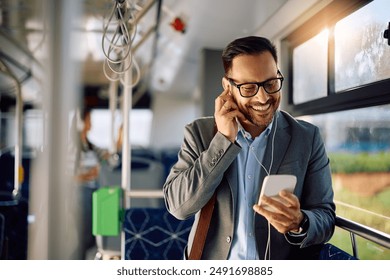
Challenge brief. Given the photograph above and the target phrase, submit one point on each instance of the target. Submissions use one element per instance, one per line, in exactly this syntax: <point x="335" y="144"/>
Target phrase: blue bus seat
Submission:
<point x="332" y="252"/>
<point x="154" y="234"/>
<point x="2" y="232"/>
<point x="13" y="227"/>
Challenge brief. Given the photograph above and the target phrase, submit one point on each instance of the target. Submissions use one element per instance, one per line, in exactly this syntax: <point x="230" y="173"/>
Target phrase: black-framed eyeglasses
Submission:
<point x="270" y="86"/>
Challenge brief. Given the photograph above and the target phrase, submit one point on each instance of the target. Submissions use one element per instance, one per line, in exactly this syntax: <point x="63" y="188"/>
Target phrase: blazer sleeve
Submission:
<point x="202" y="160"/>
<point x="317" y="197"/>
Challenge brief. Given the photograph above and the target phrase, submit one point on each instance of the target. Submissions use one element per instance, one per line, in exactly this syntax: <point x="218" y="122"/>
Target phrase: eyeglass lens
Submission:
<point x="270" y="86"/>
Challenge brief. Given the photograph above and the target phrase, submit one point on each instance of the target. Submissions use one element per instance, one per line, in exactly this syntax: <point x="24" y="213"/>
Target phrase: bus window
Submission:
<point x="358" y="146"/>
<point x="140" y="123"/>
<point x="308" y="76"/>
<point x="361" y="56"/>
<point x="340" y="81"/>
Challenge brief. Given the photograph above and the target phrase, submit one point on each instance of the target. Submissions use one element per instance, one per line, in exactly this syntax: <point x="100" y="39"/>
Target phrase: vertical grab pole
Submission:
<point x="113" y="89"/>
<point x="126" y="148"/>
<point x="18" y="131"/>
<point x="19" y="141"/>
<point x="18" y="169"/>
<point x="354" y="245"/>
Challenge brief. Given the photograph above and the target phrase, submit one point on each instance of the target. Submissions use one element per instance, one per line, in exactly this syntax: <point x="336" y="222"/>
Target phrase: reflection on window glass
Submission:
<point x="357" y="142"/>
<point x="33" y="129"/>
<point x="140" y="126"/>
<point x="361" y="53"/>
<point x="310" y="66"/>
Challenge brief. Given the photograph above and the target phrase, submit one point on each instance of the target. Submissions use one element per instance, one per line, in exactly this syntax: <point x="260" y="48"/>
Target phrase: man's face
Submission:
<point x="258" y="109"/>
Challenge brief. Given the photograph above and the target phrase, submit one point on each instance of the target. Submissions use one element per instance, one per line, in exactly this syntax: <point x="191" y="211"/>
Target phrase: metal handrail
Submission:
<point x="376" y="236"/>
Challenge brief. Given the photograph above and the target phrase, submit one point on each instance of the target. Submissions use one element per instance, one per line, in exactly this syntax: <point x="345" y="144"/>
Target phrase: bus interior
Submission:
<point x="146" y="68"/>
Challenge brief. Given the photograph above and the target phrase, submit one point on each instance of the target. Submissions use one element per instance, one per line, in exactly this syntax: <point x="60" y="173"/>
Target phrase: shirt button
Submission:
<point x="249" y="176"/>
<point x="228" y="239"/>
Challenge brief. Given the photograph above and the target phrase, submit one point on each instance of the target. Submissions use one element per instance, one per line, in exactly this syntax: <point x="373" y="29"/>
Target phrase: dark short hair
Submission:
<point x="247" y="45"/>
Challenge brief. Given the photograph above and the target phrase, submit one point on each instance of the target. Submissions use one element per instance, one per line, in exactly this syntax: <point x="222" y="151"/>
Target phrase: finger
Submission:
<point x="230" y="113"/>
<point x="290" y="198"/>
<point x="228" y="106"/>
<point x="230" y="103"/>
<point x="220" y="100"/>
<point x="288" y="206"/>
<point x="275" y="202"/>
<point x="265" y="210"/>
<point x="280" y="206"/>
<point x="278" y="220"/>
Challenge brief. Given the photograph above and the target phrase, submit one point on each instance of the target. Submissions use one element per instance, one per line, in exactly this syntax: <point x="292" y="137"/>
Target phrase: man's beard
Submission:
<point x="261" y="124"/>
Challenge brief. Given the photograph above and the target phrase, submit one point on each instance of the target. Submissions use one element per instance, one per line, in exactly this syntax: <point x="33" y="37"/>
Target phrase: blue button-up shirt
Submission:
<point x="244" y="244"/>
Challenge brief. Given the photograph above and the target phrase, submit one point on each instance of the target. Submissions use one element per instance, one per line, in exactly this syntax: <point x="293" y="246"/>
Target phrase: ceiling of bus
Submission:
<point x="169" y="58"/>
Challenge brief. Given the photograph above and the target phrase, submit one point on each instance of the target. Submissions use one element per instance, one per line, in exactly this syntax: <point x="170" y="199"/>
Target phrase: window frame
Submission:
<point x="372" y="94"/>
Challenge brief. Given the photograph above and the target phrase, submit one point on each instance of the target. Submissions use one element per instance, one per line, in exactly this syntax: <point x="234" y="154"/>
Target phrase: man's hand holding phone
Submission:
<point x="278" y="204"/>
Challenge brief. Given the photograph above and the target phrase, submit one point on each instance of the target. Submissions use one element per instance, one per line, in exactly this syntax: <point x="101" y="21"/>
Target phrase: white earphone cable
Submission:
<point x="267" y="254"/>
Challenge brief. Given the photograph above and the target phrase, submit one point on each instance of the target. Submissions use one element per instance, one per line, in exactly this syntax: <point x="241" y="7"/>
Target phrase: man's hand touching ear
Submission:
<point x="226" y="112"/>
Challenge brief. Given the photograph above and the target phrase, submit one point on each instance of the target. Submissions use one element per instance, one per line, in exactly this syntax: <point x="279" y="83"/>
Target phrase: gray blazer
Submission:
<point x="206" y="163"/>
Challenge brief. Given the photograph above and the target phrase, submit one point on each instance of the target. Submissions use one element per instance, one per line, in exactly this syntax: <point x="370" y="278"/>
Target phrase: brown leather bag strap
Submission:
<point x="202" y="229"/>
<point x="203" y="225"/>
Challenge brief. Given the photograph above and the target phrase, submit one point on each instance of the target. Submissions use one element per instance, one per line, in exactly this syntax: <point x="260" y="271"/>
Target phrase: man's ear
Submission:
<point x="225" y="83"/>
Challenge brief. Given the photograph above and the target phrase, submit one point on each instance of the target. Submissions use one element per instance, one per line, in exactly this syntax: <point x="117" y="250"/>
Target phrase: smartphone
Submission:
<point x="273" y="184"/>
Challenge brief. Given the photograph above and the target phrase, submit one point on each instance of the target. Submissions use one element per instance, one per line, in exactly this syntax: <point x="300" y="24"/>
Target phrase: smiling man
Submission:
<point x="230" y="154"/>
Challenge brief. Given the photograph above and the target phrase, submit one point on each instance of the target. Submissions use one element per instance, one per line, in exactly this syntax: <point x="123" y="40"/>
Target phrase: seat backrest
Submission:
<point x="331" y="252"/>
<point x="2" y="234"/>
<point x="146" y="174"/>
<point x="13" y="227"/>
<point x="154" y="234"/>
